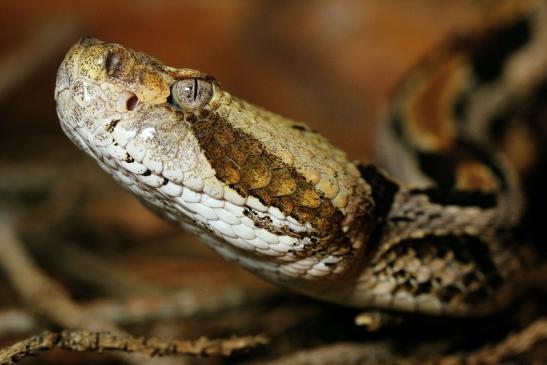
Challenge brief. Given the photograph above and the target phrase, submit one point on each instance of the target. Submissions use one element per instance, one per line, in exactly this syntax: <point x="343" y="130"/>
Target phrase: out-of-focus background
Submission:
<point x="330" y="64"/>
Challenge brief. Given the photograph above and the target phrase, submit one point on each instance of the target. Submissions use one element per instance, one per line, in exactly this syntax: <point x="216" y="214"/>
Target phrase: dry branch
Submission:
<point x="106" y="342"/>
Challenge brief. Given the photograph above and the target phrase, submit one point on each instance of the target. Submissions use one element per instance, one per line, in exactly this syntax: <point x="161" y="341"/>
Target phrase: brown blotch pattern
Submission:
<point x="240" y="162"/>
<point x="455" y="269"/>
<point x="430" y="105"/>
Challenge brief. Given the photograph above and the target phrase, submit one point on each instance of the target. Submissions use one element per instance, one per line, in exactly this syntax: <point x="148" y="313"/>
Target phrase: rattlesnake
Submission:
<point x="434" y="234"/>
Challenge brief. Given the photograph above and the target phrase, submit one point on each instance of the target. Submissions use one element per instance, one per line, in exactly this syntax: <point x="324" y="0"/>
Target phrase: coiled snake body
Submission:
<point x="276" y="197"/>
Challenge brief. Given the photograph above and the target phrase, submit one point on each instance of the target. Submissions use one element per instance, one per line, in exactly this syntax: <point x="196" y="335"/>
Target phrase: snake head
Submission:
<point x="261" y="189"/>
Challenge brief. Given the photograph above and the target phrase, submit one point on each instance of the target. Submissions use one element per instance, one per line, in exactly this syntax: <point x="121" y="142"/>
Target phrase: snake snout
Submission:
<point x="89" y="41"/>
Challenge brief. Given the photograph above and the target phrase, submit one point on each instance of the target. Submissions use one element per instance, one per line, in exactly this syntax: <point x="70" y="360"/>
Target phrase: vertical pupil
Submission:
<point x="195" y="96"/>
<point x="191" y="90"/>
<point x="190" y="93"/>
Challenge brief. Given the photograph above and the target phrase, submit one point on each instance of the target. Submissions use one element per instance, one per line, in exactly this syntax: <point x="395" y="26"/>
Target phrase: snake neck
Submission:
<point x="433" y="251"/>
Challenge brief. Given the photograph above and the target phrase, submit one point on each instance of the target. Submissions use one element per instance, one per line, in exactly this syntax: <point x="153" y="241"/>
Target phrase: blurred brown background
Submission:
<point x="330" y="64"/>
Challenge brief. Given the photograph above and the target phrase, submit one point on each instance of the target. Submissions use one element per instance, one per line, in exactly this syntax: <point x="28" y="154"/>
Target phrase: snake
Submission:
<point x="427" y="228"/>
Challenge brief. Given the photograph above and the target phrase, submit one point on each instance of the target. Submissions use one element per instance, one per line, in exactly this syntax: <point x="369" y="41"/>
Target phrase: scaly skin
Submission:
<point x="276" y="197"/>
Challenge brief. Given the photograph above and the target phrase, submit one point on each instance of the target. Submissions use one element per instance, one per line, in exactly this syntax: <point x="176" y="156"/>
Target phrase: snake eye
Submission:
<point x="192" y="93"/>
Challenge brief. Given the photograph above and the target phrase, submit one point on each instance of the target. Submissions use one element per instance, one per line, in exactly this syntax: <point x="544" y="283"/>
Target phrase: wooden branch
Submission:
<point x="106" y="342"/>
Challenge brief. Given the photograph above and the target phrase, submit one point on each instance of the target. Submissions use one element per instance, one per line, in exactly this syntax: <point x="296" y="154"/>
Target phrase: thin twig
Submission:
<point x="106" y="342"/>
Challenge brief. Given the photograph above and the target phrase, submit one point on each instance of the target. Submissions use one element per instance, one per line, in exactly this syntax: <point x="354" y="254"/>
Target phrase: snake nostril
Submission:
<point x="132" y="102"/>
<point x="127" y="101"/>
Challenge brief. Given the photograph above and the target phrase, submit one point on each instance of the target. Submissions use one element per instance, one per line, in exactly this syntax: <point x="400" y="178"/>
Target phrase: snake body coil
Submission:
<point x="276" y="197"/>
